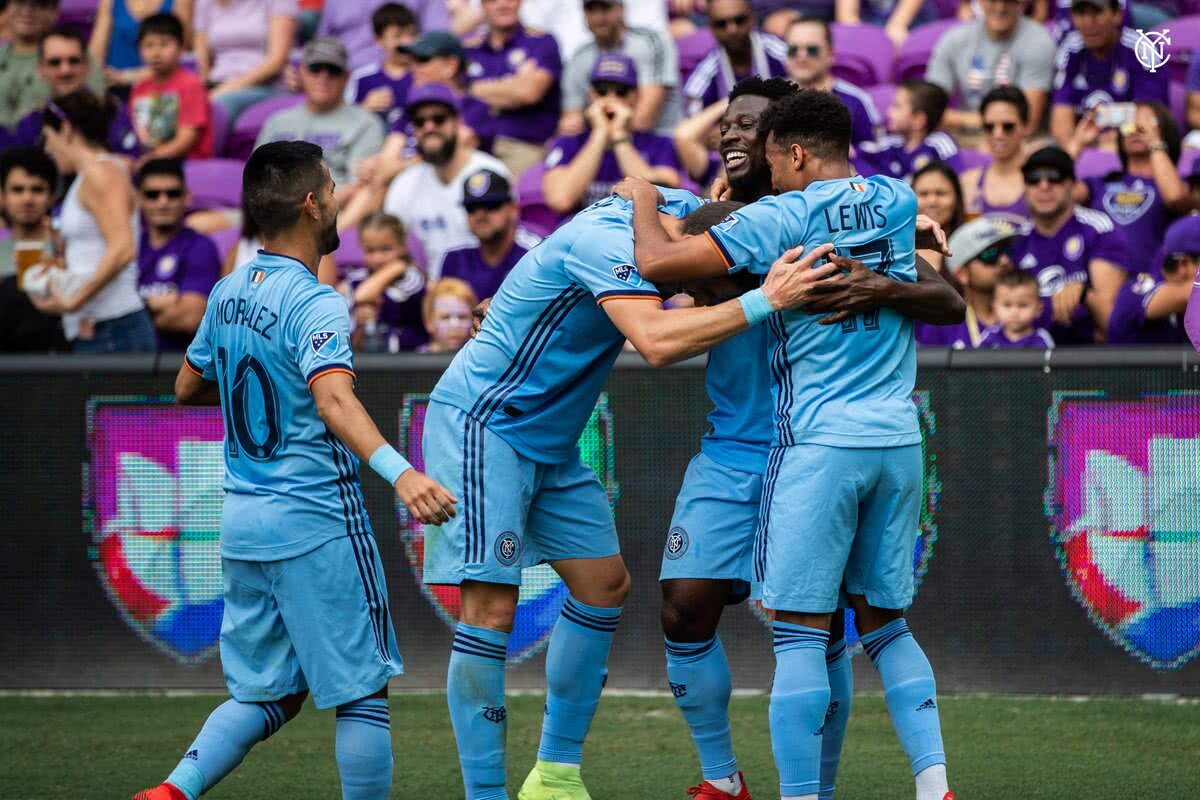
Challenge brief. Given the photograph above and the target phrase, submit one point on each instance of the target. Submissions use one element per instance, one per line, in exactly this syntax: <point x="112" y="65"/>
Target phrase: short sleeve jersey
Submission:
<point x="534" y="371"/>
<point x="655" y="150"/>
<point x="534" y="123"/>
<point x="889" y="156"/>
<point x="738" y="382"/>
<point x="187" y="262"/>
<point x="714" y="77"/>
<point x="270" y="331"/>
<point x="1136" y="206"/>
<point x="1083" y="81"/>
<point x="994" y="338"/>
<point x="1127" y="325"/>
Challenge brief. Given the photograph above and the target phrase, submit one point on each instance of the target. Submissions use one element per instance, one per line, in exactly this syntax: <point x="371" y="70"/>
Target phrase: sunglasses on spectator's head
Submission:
<point x="605" y="89"/>
<point x="73" y="61"/>
<point x="437" y="119"/>
<point x="332" y="70"/>
<point x="491" y="205"/>
<point x="994" y="127"/>
<point x="992" y="255"/>
<point x="1039" y="175"/>
<point x="729" y="22"/>
<point x="810" y="50"/>
<point x="154" y="194"/>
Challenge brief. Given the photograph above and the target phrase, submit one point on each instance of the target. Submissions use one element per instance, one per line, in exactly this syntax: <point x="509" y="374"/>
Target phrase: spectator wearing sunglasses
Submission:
<point x="999" y="187"/>
<point x="1077" y="255"/>
<point x="1002" y="48"/>
<point x="382" y="87"/>
<point x="742" y="51"/>
<point x="1150" y="310"/>
<point x="22" y="88"/>
<point x="171" y="111"/>
<point x="348" y="134"/>
<point x="582" y="169"/>
<point x="177" y="267"/>
<point x="810" y="61"/>
<point x="492" y="216"/>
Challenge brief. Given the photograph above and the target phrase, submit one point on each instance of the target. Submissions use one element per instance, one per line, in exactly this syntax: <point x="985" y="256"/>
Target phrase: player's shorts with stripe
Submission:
<point x="712" y="530"/>
<point x="318" y="621"/>
<point x="834" y="514"/>
<point x="512" y="512"/>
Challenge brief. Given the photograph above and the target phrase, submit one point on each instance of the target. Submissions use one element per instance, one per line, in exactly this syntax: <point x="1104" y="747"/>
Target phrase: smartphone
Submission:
<point x="1115" y="115"/>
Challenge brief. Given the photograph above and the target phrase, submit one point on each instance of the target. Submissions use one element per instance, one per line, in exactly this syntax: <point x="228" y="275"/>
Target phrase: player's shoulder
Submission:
<point x="1094" y="221"/>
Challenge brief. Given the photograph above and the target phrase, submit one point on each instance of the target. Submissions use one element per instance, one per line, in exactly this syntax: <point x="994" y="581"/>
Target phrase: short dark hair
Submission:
<point x="770" y="88"/>
<point x="162" y="24"/>
<point x="1017" y="278"/>
<point x="708" y="215"/>
<point x="63" y="31"/>
<point x="171" y="167"/>
<point x="817" y="121"/>
<point x="809" y="19"/>
<point x="32" y="160"/>
<point x="947" y="172"/>
<point x="928" y="99"/>
<point x="277" y="178"/>
<point x="90" y="114"/>
<point x="1007" y="94"/>
<point x="393" y="15"/>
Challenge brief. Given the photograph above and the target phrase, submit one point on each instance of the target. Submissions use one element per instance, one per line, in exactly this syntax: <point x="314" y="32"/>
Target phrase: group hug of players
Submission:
<point x="807" y="486"/>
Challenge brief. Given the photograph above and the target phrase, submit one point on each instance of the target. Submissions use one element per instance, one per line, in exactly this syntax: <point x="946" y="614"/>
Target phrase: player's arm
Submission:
<point x="193" y="389"/>
<point x="930" y="300"/>
<point x="658" y="258"/>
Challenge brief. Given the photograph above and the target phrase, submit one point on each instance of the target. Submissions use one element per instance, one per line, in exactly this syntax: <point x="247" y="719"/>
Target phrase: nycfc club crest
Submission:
<point x="542" y="591"/>
<point x="1124" y="506"/>
<point x="1151" y="49"/>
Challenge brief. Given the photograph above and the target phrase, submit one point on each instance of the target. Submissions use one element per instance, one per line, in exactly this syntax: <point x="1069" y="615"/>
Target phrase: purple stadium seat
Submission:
<point x="214" y="183"/>
<point x="225" y="241"/>
<point x="862" y="54"/>
<point x="80" y="13"/>
<point x="349" y="252"/>
<point x="1187" y="160"/>
<point x="246" y="128"/>
<point x="535" y="214"/>
<point x="914" y="54"/>
<point x="1096" y="163"/>
<point x="946" y="9"/>
<point x="692" y="49"/>
<point x="1185" y="38"/>
<point x="1177" y="102"/>
<point x="882" y="96"/>
<point x="220" y="125"/>
<point x="973" y="158"/>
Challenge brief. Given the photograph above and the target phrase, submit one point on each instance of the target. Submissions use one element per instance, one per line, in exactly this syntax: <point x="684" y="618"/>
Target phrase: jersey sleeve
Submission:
<point x="602" y="260"/>
<point x="199" y="356"/>
<point x="1111" y="246"/>
<point x="752" y="237"/>
<point x="322" y="337"/>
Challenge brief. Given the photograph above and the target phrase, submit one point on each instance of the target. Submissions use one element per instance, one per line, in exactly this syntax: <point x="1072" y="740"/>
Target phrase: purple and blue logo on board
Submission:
<point x="153" y="512"/>
<point x="1124" y="505"/>
<point x="542" y="592"/>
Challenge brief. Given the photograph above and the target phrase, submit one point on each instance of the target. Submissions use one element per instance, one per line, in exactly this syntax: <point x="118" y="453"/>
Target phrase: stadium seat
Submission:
<point x="246" y="128"/>
<point x="973" y="158"/>
<point x="946" y="9"/>
<point x="1096" y="163"/>
<point x="1188" y="159"/>
<point x="80" y="13"/>
<point x="349" y="252"/>
<point x="535" y="214"/>
<point x="220" y="125"/>
<point x="1177" y="102"/>
<point x="692" y="49"/>
<point x="1185" y="38"/>
<point x="862" y="54"/>
<point x="882" y="96"/>
<point x="214" y="183"/>
<point x="914" y="54"/>
<point x="225" y="241"/>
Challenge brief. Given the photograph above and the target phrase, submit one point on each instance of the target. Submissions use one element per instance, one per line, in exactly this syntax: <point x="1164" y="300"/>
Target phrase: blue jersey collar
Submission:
<point x="267" y="259"/>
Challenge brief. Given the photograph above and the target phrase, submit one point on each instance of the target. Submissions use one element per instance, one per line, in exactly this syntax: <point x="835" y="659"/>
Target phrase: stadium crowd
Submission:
<point x="1048" y="139"/>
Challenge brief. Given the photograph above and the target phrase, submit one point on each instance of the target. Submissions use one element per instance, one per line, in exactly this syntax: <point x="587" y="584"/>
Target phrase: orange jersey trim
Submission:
<point x="713" y="244"/>
<point x="608" y="297"/>
<point x="322" y="374"/>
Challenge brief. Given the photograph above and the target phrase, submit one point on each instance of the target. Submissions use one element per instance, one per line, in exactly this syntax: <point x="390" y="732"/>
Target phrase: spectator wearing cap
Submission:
<point x="582" y="169"/>
<point x="1147" y="192"/>
<point x="810" y="61"/>
<point x="22" y="88"/>
<point x="981" y="254"/>
<point x="1150" y="310"/>
<point x="515" y="70"/>
<point x="349" y="21"/>
<point x="742" y="51"/>
<point x="492" y="217"/>
<point x="1077" y="255"/>
<point x="1096" y="64"/>
<point x="652" y="52"/>
<point x="347" y="133"/>
<point x="427" y="196"/>
<point x="999" y="187"/>
<point x="382" y="86"/>
<point x="1002" y="48"/>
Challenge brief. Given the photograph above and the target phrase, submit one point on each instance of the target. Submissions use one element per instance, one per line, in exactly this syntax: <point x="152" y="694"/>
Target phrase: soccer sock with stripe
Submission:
<point x="364" y="749"/>
<point x="698" y="673"/>
<point x="911" y="696"/>
<point x="228" y="734"/>
<point x="837" y="716"/>
<point x="475" y="691"/>
<point x="576" y="671"/>
<point x="799" y="700"/>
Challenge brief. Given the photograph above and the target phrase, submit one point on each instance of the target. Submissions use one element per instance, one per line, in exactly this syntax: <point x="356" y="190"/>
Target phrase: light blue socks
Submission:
<point x="799" y="701"/>
<point x="475" y="692"/>
<point x="364" y="749"/>
<point x="698" y="673"/>
<point x="837" y="715"/>
<point x="228" y="734"/>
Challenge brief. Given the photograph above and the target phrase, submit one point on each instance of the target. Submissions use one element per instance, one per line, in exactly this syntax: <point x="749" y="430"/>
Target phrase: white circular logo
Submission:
<point x="1151" y="49"/>
<point x="1051" y="280"/>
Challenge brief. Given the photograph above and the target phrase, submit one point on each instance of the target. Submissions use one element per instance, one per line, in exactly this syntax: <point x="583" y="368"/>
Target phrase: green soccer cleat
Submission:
<point x="548" y="781"/>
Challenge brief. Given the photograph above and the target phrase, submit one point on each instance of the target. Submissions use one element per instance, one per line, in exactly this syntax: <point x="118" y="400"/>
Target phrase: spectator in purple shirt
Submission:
<point x="350" y="21"/>
<point x="1150" y="310"/>
<point x="742" y="51"/>
<point x="177" y="267"/>
<point x="582" y="169"/>
<point x="1077" y="255"/>
<point x="913" y="139"/>
<point x="1096" y="64"/>
<point x="385" y="293"/>
<point x="492" y="216"/>
<point x="1017" y="309"/>
<point x="382" y="86"/>
<point x="1193" y="91"/>
<point x="515" y="70"/>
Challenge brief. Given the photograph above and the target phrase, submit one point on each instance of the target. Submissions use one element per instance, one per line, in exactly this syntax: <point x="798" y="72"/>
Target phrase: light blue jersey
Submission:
<point x="533" y="373"/>
<point x="290" y="485"/>
<point x="738" y="381"/>
<point x="849" y="385"/>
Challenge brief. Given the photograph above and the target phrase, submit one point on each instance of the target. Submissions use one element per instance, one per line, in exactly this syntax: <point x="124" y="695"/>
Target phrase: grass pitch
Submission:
<point x="96" y="748"/>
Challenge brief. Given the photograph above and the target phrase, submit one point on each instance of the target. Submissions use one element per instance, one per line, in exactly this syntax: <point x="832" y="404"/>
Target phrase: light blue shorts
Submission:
<point x="512" y="512"/>
<point x="318" y="621"/>
<point x="712" y="531"/>
<point x="834" y="514"/>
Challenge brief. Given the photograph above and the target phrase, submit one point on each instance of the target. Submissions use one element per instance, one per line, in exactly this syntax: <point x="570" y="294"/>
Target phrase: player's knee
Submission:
<point x="292" y="704"/>
<point x="682" y="622"/>
<point x="613" y="589"/>
<point x="493" y="608"/>
<point x="869" y="618"/>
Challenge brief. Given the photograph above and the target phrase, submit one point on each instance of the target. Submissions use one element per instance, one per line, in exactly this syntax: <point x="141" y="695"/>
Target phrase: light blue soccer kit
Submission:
<point x="305" y="602"/>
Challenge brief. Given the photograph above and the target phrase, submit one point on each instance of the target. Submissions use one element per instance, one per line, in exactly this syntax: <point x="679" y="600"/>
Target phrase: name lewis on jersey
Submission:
<point x="857" y="216"/>
<point x="255" y="316"/>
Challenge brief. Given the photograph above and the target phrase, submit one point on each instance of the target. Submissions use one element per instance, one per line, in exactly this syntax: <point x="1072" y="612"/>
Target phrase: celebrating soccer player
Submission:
<point x="306" y="607"/>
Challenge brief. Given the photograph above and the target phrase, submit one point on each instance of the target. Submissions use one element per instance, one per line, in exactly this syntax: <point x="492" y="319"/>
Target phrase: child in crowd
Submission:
<point x="171" y="112"/>
<point x="913" y="139"/>
<point x="1017" y="307"/>
<point x="383" y="88"/>
<point x="447" y="314"/>
<point x="385" y="294"/>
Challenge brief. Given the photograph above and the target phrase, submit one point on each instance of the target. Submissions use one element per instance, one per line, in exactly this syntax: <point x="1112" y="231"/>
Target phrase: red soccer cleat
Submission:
<point x="949" y="796"/>
<point x="164" y="791"/>
<point x="706" y="791"/>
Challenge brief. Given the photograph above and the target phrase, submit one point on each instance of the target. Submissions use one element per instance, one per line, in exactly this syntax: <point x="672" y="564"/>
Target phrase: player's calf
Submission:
<point x="799" y="702"/>
<point x="364" y="748"/>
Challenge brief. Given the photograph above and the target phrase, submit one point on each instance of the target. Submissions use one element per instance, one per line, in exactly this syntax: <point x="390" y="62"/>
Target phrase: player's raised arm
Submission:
<point x="658" y="257"/>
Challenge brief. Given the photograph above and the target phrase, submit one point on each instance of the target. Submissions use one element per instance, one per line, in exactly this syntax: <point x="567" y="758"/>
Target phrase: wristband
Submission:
<point x="755" y="306"/>
<point x="388" y="463"/>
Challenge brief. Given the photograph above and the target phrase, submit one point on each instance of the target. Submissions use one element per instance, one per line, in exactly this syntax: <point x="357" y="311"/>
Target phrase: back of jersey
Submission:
<point x="269" y="331"/>
<point x="847" y="385"/>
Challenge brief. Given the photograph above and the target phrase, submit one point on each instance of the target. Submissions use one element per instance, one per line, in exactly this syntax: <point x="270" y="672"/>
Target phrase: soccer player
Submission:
<point x="842" y="489"/>
<point x="297" y="550"/>
<point x="706" y="562"/>
<point x="501" y="432"/>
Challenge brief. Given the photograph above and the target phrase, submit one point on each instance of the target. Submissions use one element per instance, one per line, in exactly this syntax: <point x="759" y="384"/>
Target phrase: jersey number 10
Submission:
<point x="235" y="398"/>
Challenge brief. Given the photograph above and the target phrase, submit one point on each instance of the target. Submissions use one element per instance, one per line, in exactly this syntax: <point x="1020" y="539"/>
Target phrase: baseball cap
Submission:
<point x="976" y="236"/>
<point x="1054" y="158"/>
<point x="1183" y="236"/>
<point x="432" y="93"/>
<point x="436" y="43"/>
<point x="486" y="186"/>
<point x="615" y="68"/>
<point x="1101" y="4"/>
<point x="325" y="50"/>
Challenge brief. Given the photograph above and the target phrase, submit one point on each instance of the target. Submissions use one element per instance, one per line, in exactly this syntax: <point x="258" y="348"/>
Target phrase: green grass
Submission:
<point x="88" y="748"/>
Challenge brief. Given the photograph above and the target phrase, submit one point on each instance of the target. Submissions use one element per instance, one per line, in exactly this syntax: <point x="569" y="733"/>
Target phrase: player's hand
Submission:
<point x="792" y="280"/>
<point x="426" y="499"/>
<point x="720" y="190"/>
<point x="477" y="315"/>
<point x="632" y="188"/>
<point x="1066" y="301"/>
<point x="855" y="287"/>
<point x="930" y="236"/>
